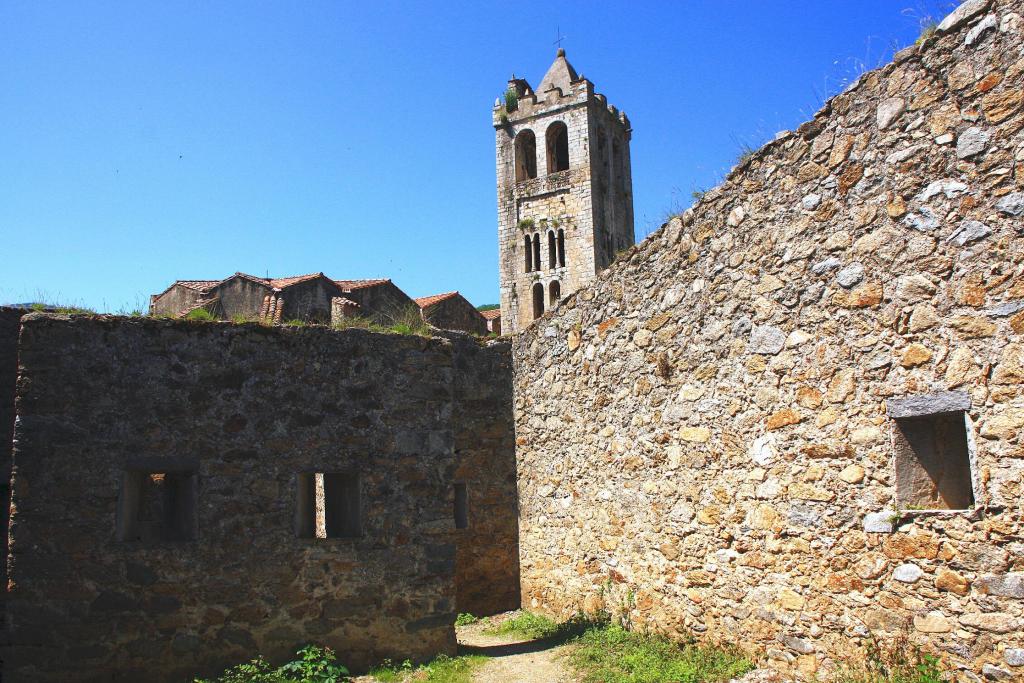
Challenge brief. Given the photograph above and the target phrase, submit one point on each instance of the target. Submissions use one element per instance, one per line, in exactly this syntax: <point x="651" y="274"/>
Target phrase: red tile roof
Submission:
<point x="198" y="285"/>
<point x="349" y="285"/>
<point x="491" y="314"/>
<point x="204" y="286"/>
<point x="428" y="301"/>
<point x="282" y="282"/>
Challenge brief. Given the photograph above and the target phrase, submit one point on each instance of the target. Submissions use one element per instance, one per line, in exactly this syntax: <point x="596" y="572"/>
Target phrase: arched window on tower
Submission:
<point x="558" y="147"/>
<point x="561" y="248"/>
<point x="538" y="300"/>
<point x="536" y="251"/>
<point x="529" y="253"/>
<point x="554" y="293"/>
<point x="526" y="155"/>
<point x="552" y="250"/>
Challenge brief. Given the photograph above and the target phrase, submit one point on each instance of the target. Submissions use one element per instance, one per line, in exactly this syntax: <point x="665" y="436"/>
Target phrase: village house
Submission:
<point x="452" y="311"/>
<point x="303" y="297"/>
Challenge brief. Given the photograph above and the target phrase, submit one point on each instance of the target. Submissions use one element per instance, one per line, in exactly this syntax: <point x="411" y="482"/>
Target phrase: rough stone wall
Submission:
<point x="456" y="313"/>
<point x="10" y="326"/>
<point x="246" y="409"/>
<point x="703" y="437"/>
<point x="487" y="555"/>
<point x="579" y="201"/>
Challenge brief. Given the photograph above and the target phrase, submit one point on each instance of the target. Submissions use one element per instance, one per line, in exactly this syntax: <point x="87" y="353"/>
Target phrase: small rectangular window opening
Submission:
<point x="461" y="506"/>
<point x="933" y="465"/>
<point x="157" y="506"/>
<point x="328" y="505"/>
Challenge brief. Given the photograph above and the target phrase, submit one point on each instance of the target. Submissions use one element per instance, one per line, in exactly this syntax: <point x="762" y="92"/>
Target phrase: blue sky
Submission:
<point x="142" y="142"/>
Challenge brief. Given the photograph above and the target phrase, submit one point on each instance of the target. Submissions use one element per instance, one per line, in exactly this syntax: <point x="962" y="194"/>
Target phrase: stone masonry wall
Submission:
<point x="10" y="325"/>
<point x="243" y="410"/>
<point x="706" y="437"/>
<point x="487" y="555"/>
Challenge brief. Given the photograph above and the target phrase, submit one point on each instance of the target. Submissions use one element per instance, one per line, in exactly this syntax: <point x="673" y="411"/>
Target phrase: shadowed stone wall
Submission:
<point x="487" y="556"/>
<point x="10" y="325"/>
<point x="705" y="435"/>
<point x="233" y="416"/>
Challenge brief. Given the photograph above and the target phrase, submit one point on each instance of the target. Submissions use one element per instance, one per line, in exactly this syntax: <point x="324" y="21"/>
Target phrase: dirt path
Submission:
<point x="514" y="660"/>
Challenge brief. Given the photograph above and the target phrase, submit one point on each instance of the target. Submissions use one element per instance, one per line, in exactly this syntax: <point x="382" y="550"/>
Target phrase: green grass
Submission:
<point x="201" y="315"/>
<point x="443" y="669"/>
<point x="611" y="654"/>
<point x="465" y="618"/>
<point x="62" y="309"/>
<point x="527" y="625"/>
<point x="929" y="27"/>
<point x="746" y="153"/>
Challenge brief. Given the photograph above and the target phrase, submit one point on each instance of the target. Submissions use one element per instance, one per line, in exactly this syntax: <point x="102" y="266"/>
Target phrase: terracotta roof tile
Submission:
<point x="198" y="285"/>
<point x="491" y="314"/>
<point x="349" y="285"/>
<point x="428" y="301"/>
<point x="282" y="282"/>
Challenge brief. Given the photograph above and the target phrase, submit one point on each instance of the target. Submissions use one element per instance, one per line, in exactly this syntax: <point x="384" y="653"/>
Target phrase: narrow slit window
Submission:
<point x="157" y="506"/>
<point x="536" y="251"/>
<point x="552" y="251"/>
<point x="561" y="248"/>
<point x="328" y="505"/>
<point x="529" y="254"/>
<point x="461" y="506"/>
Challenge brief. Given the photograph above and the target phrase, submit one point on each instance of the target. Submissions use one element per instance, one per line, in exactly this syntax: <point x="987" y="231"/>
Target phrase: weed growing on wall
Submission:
<point x="465" y="618"/>
<point x="898" y="661"/>
<point x="200" y="315"/>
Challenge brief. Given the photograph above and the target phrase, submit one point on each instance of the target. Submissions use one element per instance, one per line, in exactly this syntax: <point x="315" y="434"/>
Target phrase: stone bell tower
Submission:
<point x="565" y="191"/>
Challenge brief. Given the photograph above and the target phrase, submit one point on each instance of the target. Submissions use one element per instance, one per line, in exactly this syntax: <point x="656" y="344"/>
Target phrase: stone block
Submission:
<point x="880" y="522"/>
<point x="928" y="404"/>
<point x="1004" y="585"/>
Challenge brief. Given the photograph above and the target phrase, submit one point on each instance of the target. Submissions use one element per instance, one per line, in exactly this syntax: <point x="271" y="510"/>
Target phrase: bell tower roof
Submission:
<point x="560" y="75"/>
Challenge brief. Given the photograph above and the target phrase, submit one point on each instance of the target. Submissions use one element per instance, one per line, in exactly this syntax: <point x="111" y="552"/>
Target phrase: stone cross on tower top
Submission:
<point x="565" y="194"/>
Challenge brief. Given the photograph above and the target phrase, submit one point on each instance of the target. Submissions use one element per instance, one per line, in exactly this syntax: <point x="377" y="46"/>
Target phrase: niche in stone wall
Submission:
<point x="157" y="505"/>
<point x="328" y="505"/>
<point x="932" y="452"/>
